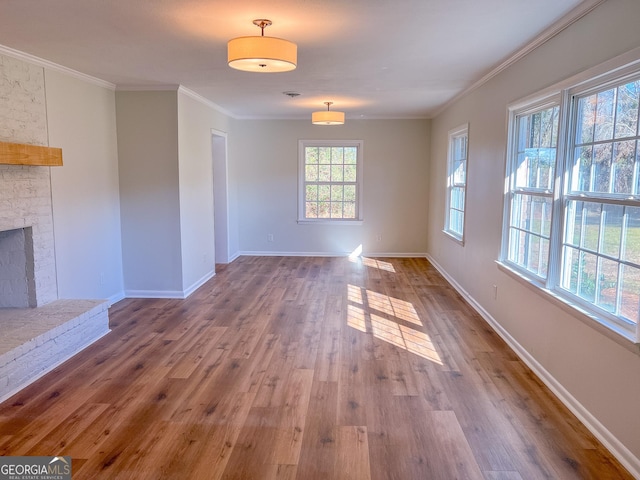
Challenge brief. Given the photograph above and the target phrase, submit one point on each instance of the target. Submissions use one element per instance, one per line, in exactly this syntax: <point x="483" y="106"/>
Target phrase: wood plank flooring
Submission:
<point x="303" y="368"/>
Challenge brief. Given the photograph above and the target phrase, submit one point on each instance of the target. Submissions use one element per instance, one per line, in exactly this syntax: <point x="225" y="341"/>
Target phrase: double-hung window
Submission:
<point x="534" y="146"/>
<point x="572" y="204"/>
<point x="330" y="181"/>
<point x="456" y="181"/>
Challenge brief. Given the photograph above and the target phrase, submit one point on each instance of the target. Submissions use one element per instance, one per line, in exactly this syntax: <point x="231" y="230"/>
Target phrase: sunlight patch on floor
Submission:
<point x="391" y="327"/>
<point x="379" y="264"/>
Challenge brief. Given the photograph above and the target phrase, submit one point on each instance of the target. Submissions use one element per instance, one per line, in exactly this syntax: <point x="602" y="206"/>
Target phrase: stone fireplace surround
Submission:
<point x="38" y="331"/>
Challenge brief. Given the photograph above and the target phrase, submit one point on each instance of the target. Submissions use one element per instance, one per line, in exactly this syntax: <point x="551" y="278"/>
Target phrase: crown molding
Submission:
<point x="175" y="88"/>
<point x="570" y="18"/>
<point x="41" y="62"/>
<point x="147" y="88"/>
<point x="199" y="98"/>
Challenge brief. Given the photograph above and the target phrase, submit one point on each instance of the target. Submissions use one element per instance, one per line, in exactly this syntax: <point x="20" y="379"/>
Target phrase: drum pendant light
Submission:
<point x="262" y="54"/>
<point x="327" y="117"/>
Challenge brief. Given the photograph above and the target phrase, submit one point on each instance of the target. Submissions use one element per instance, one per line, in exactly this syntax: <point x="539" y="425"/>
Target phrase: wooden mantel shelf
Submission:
<point x="20" y="154"/>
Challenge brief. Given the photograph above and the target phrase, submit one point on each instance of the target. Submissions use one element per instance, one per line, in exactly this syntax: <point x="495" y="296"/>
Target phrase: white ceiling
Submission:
<point x="372" y="58"/>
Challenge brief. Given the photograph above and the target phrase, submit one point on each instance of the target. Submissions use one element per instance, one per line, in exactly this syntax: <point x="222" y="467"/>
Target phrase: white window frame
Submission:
<point x="516" y="112"/>
<point x="455" y="134"/>
<point x="302" y="145"/>
<point x="566" y="96"/>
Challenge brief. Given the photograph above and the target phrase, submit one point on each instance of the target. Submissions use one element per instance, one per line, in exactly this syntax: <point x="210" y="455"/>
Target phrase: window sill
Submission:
<point x="611" y="331"/>
<point x="455" y="238"/>
<point x="328" y="221"/>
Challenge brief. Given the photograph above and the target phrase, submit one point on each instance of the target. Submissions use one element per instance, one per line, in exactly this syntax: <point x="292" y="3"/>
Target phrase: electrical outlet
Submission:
<point x="378" y="238"/>
<point x="101" y="278"/>
<point x="269" y="237"/>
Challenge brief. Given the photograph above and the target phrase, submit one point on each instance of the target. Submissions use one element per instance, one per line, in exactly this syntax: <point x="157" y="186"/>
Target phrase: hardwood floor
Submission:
<point x="303" y="368"/>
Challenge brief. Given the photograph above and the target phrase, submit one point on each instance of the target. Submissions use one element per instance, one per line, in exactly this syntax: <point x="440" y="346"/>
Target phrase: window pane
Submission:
<point x="460" y="148"/>
<point x="350" y="155"/>
<point x="529" y="251"/>
<point x="337" y="193"/>
<point x="520" y="210"/>
<point x="586" y="119"/>
<point x="608" y="285"/>
<point x="602" y="168"/>
<point x="323" y="209"/>
<point x="324" y="193"/>
<point x="533" y="254"/>
<point x="627" y="110"/>
<point x="544" y="257"/>
<point x="601" y="164"/>
<point x="311" y="173"/>
<point x="311" y="155"/>
<point x="336" y="210"/>
<point x="570" y="270"/>
<point x="311" y="210"/>
<point x="349" y="173"/>
<point x="630" y="293"/>
<point x="459" y="172"/>
<point x="324" y="174"/>
<point x="456" y="221"/>
<point x="517" y="241"/>
<point x="337" y="174"/>
<point x="537" y="142"/>
<point x="612" y="230"/>
<point x="324" y="155"/>
<point x="587" y="276"/>
<point x="637" y="186"/>
<point x="604" y="115"/>
<point x="531" y="213"/>
<point x="591" y="225"/>
<point x="349" y="210"/>
<point x="311" y="193"/>
<point x="337" y="155"/>
<point x="573" y="223"/>
<point x="541" y="216"/>
<point x="624" y="154"/>
<point x="583" y="160"/>
<point x="350" y="193"/>
<point x="457" y="198"/>
<point x="632" y="235"/>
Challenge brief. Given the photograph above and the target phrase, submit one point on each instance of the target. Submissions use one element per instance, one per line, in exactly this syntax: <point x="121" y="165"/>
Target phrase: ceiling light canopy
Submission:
<point x="327" y="117"/>
<point x="262" y="54"/>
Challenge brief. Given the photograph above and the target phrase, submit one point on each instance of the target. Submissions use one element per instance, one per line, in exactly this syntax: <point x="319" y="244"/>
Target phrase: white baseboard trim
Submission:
<point x="205" y="278"/>
<point x="234" y="256"/>
<point x="175" y="294"/>
<point x="328" y="254"/>
<point x="615" y="446"/>
<point x="116" y="298"/>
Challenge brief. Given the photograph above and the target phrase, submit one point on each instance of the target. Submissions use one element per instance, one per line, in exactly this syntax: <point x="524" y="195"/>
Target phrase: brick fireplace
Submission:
<point x="26" y="218"/>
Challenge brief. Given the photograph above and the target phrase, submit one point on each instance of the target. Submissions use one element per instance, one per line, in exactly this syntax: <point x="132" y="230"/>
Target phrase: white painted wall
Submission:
<point x="195" y="121"/>
<point x="264" y="169"/>
<point x="221" y="196"/>
<point x="600" y="375"/>
<point x="147" y="128"/>
<point x="86" y="201"/>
